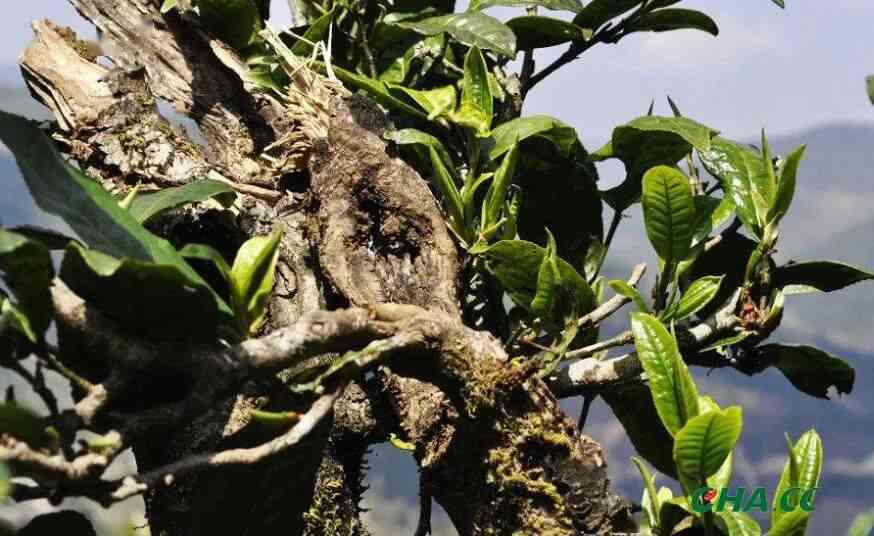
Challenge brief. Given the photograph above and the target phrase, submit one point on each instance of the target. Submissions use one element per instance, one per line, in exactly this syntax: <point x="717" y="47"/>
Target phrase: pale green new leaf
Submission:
<point x="436" y="102"/>
<point x="497" y="193"/>
<point x="791" y="524"/>
<point x="703" y="444"/>
<point x="505" y="135"/>
<point x="862" y="525"/>
<point x="477" y="104"/>
<point x="624" y="289"/>
<point x="696" y="297"/>
<point x="802" y="470"/>
<point x="786" y="186"/>
<point x="669" y="212"/>
<point x="651" y="503"/>
<point x="738" y="524"/>
<point x="146" y="206"/>
<point x="412" y="136"/>
<point x="672" y="387"/>
<point x="251" y="281"/>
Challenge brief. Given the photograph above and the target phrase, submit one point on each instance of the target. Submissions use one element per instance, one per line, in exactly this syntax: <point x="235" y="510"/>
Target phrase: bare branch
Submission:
<point x="613" y="304"/>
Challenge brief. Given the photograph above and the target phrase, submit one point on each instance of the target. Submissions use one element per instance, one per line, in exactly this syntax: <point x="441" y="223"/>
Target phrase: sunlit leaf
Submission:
<point x="669" y="212"/>
<point x="146" y="206"/>
<point x="704" y="443"/>
<point x="471" y="28"/>
<point x="252" y="277"/>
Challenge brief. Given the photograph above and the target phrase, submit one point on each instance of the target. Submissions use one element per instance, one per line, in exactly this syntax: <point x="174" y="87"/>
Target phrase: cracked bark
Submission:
<point x="361" y="228"/>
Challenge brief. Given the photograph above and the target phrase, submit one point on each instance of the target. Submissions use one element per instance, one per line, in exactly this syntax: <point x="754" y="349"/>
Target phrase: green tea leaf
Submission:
<point x="666" y="20"/>
<point x="652" y="505"/>
<point x="791" y="524"/>
<point x="738" y="524"/>
<point x="28" y="272"/>
<point x="669" y="212"/>
<point x="516" y="264"/>
<point x="535" y="31"/>
<point x="157" y="301"/>
<point x="647" y="142"/>
<point x="804" y="473"/>
<point x="574" y="6"/>
<point x="673" y="389"/>
<point x="236" y="22"/>
<point x="810" y="369"/>
<point x="742" y="173"/>
<point x="146" y="206"/>
<point x="624" y="289"/>
<point x="446" y="184"/>
<point x="632" y="404"/>
<point x="597" y="12"/>
<point x="497" y="193"/>
<point x="786" y="186"/>
<point x="862" y="525"/>
<point x="823" y="276"/>
<point x="477" y="104"/>
<point x="316" y="32"/>
<point x="505" y="135"/>
<point x="412" y="136"/>
<point x="703" y="444"/>
<point x="696" y="297"/>
<point x="376" y="90"/>
<point x="252" y="277"/>
<point x="207" y="253"/>
<point x="436" y="102"/>
<point x="23" y="424"/>
<point x="472" y="28"/>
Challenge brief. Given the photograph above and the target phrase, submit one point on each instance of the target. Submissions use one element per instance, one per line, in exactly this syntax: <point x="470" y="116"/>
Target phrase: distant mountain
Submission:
<point x="833" y="218"/>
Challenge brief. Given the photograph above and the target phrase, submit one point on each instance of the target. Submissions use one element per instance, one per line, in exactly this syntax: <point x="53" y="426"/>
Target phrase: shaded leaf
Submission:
<point x="146" y="206"/>
<point x="516" y="264"/>
<point x="823" y="276"/>
<point x="153" y="300"/>
<point x="647" y="142"/>
<point x="23" y="424"/>
<point x="597" y="12"/>
<point x="27" y="270"/>
<point x="666" y="20"/>
<point x="673" y="389"/>
<point x="650" y="502"/>
<point x="66" y="522"/>
<point x="870" y="83"/>
<point x="205" y="252"/>
<point x="535" y="31"/>
<point x="446" y="184"/>
<point x="413" y="136"/>
<point x="236" y="22"/>
<point x="471" y="28"/>
<point x="810" y="369"/>
<point x="51" y="239"/>
<point x="632" y="404"/>
<point x="316" y="32"/>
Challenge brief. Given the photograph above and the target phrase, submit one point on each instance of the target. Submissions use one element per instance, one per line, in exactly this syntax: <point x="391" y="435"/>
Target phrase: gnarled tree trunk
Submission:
<point x="360" y="228"/>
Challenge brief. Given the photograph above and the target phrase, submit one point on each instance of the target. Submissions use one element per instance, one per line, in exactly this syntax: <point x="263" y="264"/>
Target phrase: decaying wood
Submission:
<point x="362" y="231"/>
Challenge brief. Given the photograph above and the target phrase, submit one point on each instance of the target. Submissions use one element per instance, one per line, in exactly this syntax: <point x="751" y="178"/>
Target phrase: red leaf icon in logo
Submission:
<point x="709" y="496"/>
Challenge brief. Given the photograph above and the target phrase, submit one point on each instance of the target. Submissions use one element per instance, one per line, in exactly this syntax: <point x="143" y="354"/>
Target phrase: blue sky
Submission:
<point x="781" y="70"/>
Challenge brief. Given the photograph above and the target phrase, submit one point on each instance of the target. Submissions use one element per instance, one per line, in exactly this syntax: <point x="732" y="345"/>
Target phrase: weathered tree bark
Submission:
<point x="361" y="228"/>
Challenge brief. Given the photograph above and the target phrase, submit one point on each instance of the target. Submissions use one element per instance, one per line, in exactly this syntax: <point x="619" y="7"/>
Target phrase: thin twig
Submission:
<point x="615" y="303"/>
